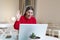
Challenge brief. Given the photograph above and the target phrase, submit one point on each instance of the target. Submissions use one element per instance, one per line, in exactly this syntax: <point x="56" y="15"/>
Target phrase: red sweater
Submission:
<point x="24" y="20"/>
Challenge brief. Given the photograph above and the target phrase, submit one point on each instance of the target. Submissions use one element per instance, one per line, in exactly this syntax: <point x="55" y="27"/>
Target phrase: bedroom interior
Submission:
<point x="46" y="12"/>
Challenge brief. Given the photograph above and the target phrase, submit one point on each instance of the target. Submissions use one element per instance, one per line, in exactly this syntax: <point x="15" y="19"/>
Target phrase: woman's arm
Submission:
<point x="16" y="25"/>
<point x="17" y="22"/>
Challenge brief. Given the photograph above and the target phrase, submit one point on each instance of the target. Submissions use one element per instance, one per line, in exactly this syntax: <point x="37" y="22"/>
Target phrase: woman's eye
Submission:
<point x="29" y="12"/>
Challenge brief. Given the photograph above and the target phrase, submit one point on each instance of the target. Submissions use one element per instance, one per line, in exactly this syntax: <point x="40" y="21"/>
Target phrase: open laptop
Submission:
<point x="27" y="29"/>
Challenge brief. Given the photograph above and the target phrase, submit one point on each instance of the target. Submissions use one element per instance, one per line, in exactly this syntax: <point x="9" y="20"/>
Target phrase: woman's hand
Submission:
<point x="18" y="15"/>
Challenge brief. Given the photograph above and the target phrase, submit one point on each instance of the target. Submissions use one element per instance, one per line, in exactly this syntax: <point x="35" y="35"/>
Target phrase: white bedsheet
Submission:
<point x="50" y="38"/>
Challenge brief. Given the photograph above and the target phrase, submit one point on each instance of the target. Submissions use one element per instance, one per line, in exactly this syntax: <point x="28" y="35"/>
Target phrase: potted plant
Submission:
<point x="34" y="37"/>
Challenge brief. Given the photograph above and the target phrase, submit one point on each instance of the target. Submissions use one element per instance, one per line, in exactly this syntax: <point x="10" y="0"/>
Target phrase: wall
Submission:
<point x="8" y="9"/>
<point x="48" y="11"/>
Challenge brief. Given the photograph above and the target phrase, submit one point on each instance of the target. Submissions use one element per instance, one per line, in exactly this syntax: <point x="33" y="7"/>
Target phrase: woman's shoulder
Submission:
<point x="22" y="17"/>
<point x="33" y="18"/>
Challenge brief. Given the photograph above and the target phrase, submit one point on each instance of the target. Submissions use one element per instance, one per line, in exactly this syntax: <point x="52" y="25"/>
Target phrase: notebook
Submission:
<point x="26" y="30"/>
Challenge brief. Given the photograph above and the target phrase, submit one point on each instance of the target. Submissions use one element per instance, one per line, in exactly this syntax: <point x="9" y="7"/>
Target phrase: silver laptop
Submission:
<point x="27" y="30"/>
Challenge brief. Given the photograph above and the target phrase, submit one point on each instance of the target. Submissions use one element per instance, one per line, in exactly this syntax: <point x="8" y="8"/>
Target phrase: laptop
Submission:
<point x="26" y="30"/>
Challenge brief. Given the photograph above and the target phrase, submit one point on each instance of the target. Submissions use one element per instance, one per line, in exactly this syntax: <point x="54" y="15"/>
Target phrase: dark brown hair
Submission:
<point x="28" y="8"/>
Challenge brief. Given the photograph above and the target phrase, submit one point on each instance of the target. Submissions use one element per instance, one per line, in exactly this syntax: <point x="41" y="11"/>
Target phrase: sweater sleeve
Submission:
<point x="16" y="25"/>
<point x="34" y="20"/>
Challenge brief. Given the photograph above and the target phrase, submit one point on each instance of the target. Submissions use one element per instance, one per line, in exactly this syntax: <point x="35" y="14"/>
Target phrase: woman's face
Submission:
<point x="29" y="14"/>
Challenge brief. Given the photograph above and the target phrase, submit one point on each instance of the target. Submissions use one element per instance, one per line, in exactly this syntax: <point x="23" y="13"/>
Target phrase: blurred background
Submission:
<point x="46" y="11"/>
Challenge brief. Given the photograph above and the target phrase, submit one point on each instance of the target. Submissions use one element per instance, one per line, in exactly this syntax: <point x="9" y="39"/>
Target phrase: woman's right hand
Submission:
<point x="18" y="15"/>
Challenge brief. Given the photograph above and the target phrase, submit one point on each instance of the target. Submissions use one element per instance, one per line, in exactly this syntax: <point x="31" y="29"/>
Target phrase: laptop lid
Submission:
<point x="26" y="30"/>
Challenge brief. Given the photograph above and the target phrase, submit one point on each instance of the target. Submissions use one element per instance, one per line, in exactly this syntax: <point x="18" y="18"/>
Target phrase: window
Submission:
<point x="23" y="3"/>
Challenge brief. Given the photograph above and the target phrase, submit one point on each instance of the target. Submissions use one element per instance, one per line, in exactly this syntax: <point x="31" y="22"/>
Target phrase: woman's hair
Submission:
<point x="28" y="8"/>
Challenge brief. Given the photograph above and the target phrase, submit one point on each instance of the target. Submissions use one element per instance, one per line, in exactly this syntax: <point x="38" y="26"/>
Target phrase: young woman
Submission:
<point x="27" y="18"/>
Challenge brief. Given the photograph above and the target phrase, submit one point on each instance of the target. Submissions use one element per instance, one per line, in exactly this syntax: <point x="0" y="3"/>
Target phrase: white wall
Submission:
<point x="8" y="9"/>
<point x="48" y="11"/>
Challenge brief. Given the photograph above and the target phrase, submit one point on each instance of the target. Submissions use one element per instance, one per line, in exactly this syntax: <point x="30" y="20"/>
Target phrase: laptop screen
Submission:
<point x="26" y="31"/>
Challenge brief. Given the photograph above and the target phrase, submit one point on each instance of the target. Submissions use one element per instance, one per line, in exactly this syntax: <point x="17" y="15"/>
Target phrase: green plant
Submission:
<point x="32" y="36"/>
